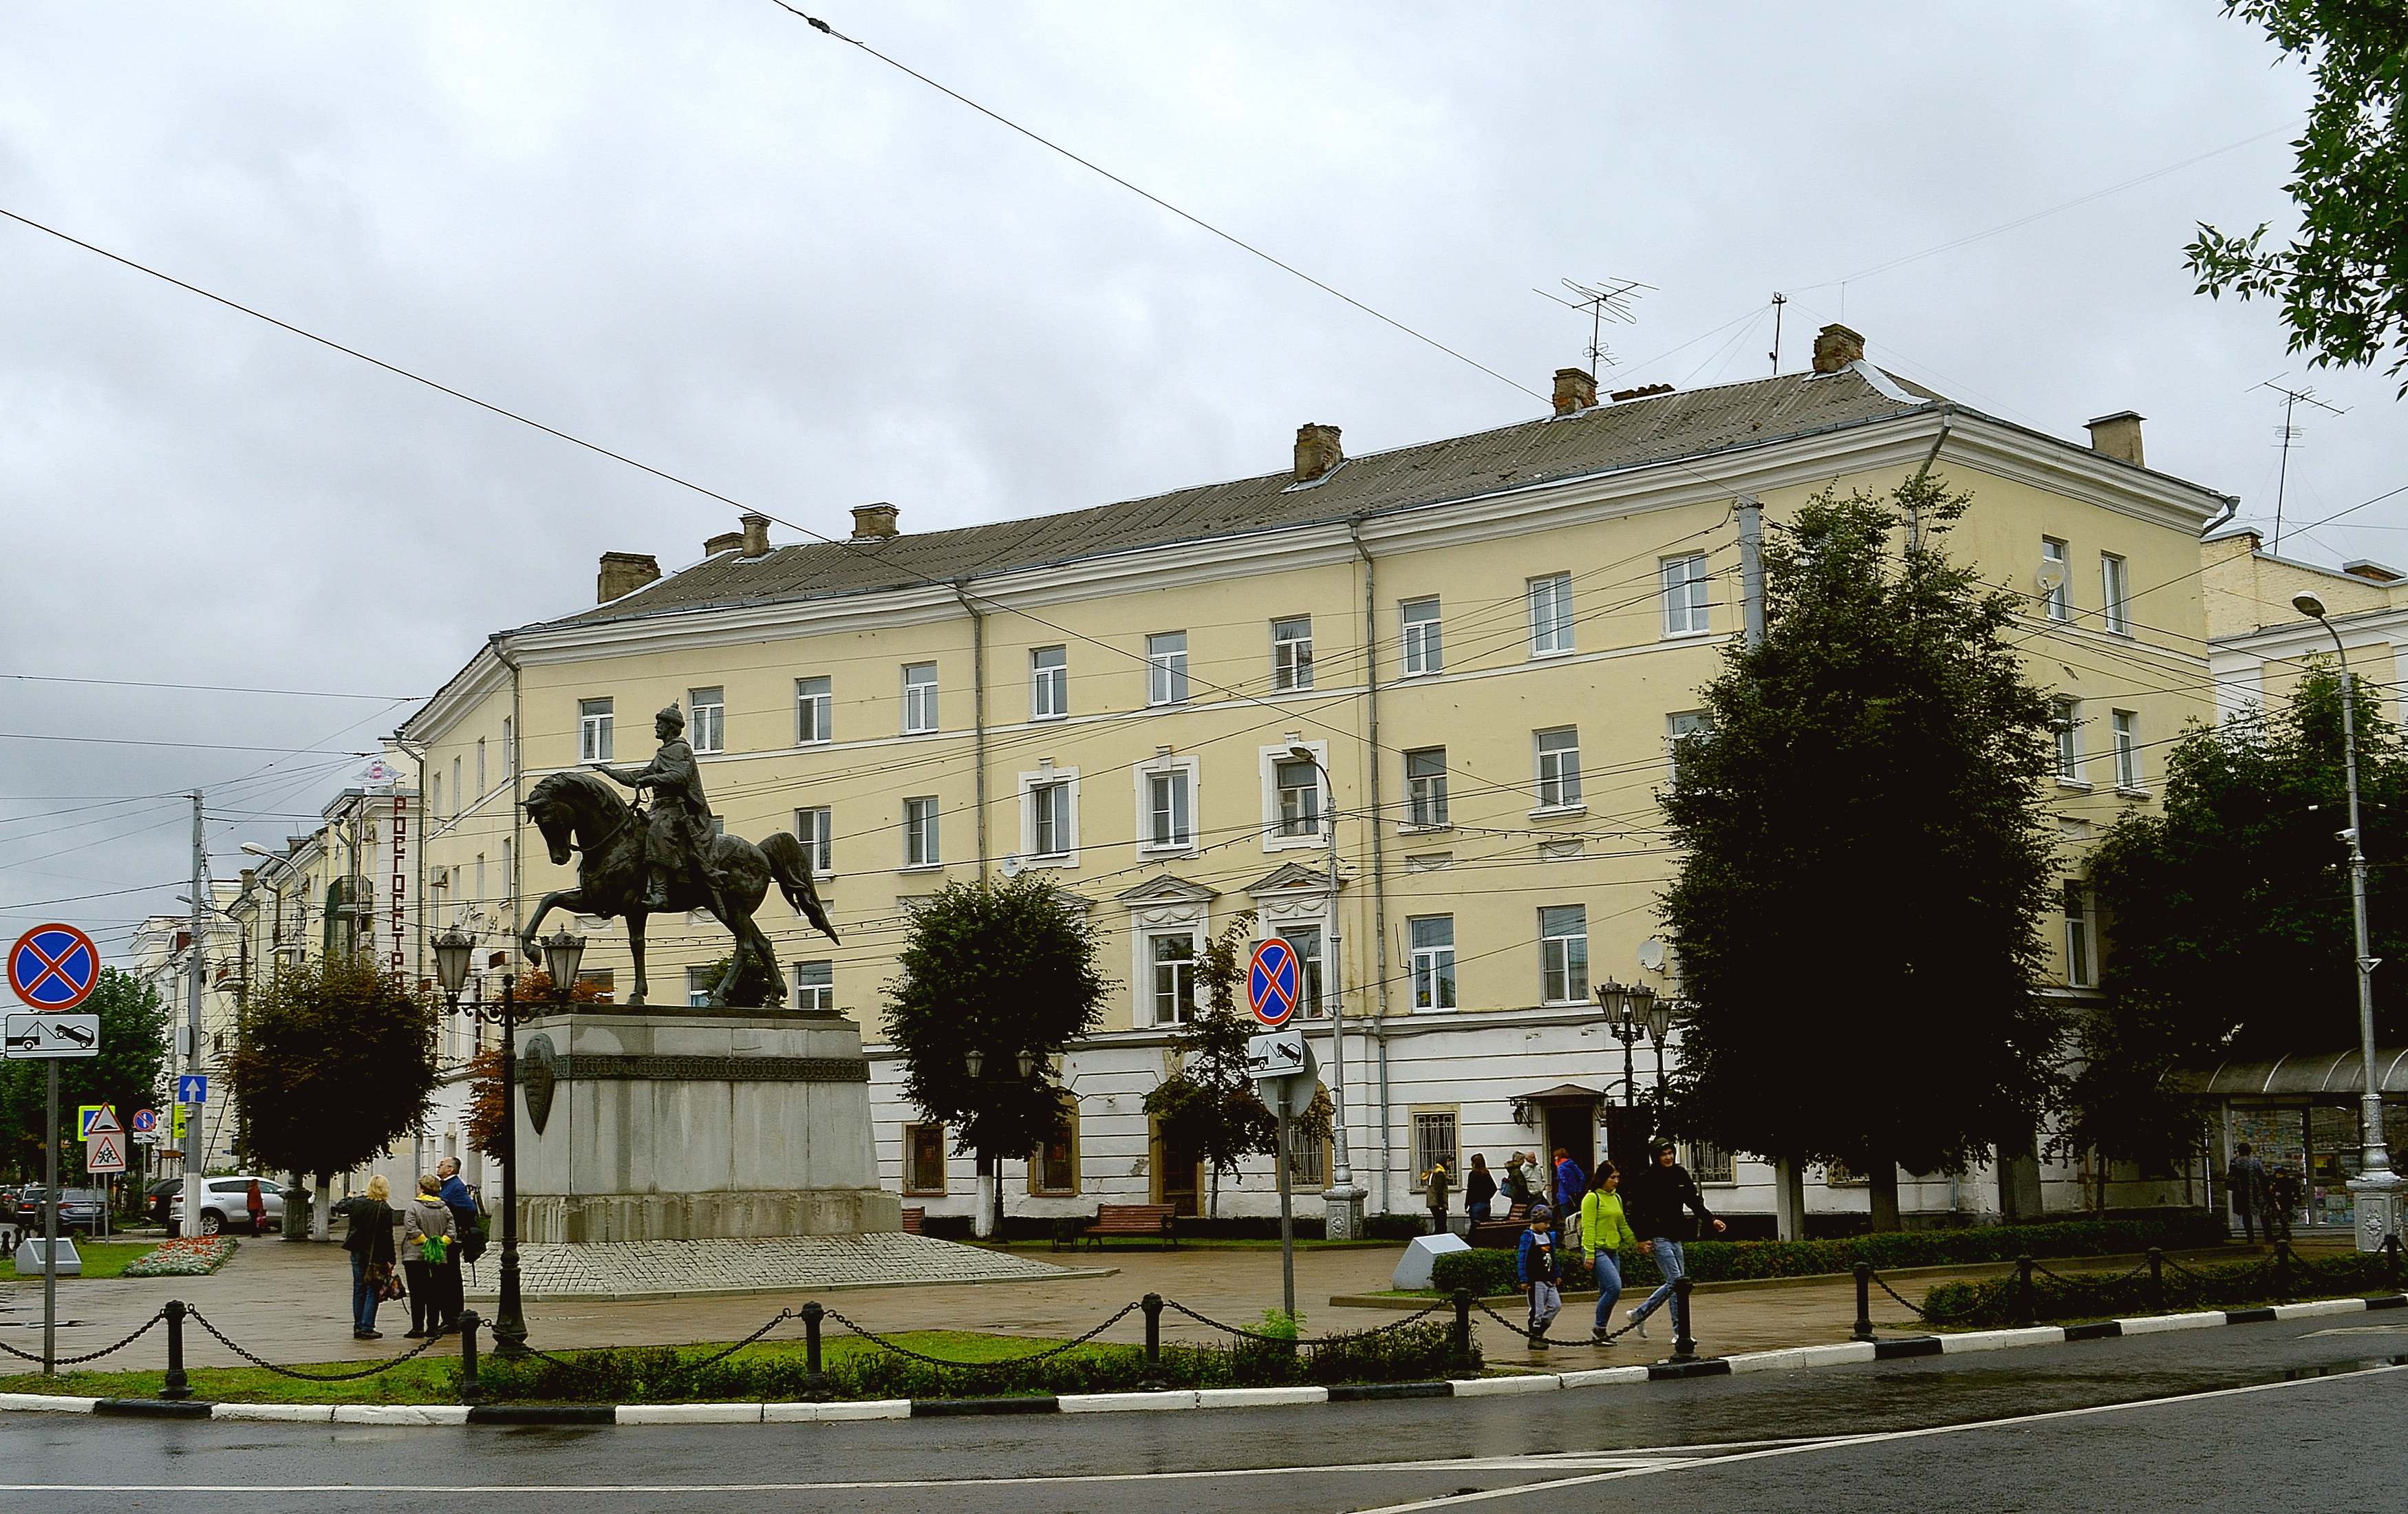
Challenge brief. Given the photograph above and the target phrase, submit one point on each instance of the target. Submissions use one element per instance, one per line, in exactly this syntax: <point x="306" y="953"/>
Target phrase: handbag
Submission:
<point x="384" y="1281"/>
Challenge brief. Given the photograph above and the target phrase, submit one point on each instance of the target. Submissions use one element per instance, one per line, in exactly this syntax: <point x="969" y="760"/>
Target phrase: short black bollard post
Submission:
<point x="2156" y="1280"/>
<point x="2025" y="1311"/>
<point x="1685" y="1343"/>
<point x="815" y="1387"/>
<point x="1153" y="1381"/>
<point x="174" y="1388"/>
<point x="1864" y="1329"/>
<point x="2282" y="1268"/>
<point x="471" y="1391"/>
<point x="1461" y="1343"/>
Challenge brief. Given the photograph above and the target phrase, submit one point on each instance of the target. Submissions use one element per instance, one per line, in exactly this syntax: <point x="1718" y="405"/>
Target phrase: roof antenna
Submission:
<point x="1779" y="300"/>
<point x="2289" y="433"/>
<point x="1609" y="300"/>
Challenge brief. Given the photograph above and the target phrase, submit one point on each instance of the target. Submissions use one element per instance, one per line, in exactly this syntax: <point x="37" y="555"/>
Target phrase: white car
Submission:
<point x="224" y="1204"/>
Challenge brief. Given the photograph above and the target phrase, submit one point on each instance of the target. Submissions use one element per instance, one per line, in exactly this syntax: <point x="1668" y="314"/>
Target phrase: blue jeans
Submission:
<point x="1669" y="1262"/>
<point x="1479" y="1213"/>
<point x="1608" y="1288"/>
<point x="364" y="1299"/>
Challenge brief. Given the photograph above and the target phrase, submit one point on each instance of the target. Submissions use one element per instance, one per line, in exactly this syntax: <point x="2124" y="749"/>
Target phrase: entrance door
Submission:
<point x="1572" y="1126"/>
<point x="1177" y="1176"/>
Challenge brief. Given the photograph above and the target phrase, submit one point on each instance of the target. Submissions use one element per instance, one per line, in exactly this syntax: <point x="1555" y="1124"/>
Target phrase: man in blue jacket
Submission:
<point x="1571" y="1185"/>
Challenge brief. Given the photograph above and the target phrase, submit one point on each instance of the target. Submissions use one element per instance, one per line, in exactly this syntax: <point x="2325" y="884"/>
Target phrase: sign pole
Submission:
<point x="1287" y="1220"/>
<point x="51" y="1231"/>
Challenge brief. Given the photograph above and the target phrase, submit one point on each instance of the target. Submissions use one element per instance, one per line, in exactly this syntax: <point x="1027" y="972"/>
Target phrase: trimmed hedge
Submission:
<point x="1417" y="1352"/>
<point x="1486" y="1271"/>
<point x="2225" y="1285"/>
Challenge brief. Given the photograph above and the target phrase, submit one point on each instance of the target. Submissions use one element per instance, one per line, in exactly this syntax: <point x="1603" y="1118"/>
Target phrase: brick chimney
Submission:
<point x="1316" y="451"/>
<point x="756" y="535"/>
<point x="1835" y="347"/>
<point x="724" y="541"/>
<point x="1575" y="390"/>
<point x="873" y="523"/>
<point x="624" y="573"/>
<point x="2119" y="436"/>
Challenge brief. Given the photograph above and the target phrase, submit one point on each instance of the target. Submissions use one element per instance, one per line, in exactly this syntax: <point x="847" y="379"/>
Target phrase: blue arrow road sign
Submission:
<point x="191" y="1088"/>
<point x="53" y="967"/>
<point x="1271" y="982"/>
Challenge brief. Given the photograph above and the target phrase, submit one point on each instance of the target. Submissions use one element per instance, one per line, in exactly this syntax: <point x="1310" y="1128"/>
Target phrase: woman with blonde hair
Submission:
<point x="426" y="1259"/>
<point x="370" y="1244"/>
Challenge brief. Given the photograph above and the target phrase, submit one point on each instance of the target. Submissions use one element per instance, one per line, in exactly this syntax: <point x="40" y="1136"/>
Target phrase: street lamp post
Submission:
<point x="1341" y="1202"/>
<point x="562" y="952"/>
<point x="974" y="1063"/>
<point x="2376" y="1189"/>
<point x="1631" y="1012"/>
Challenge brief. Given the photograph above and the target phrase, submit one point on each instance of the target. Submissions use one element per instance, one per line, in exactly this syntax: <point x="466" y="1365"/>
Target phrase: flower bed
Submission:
<point x="193" y="1257"/>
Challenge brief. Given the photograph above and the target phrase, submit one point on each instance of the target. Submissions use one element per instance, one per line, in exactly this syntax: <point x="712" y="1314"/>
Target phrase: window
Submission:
<point x="1049" y="683"/>
<point x="1685" y="594"/>
<point x="2054" y="579"/>
<point x="919" y="698"/>
<point x="480" y="878"/>
<point x="707" y="729"/>
<point x="1054" y="1167"/>
<point x="1049" y="820"/>
<point x="923" y="1159"/>
<point x="510" y="746"/>
<point x="815" y="986"/>
<point x="2069" y="740"/>
<point x="814" y="701"/>
<point x="594" y="730"/>
<point x="1166" y="667"/>
<point x="1559" y="785"/>
<point x="1174" y="978"/>
<point x="459" y="793"/>
<point x="1433" y="961"/>
<point x="1420" y="637"/>
<point x="1551" y="615"/>
<point x="481" y="788"/>
<point x="1708" y="1163"/>
<point x="1300" y="798"/>
<point x="697" y="987"/>
<point x="2115" y="584"/>
<point x="816" y="830"/>
<point x="435" y="784"/>
<point x="1306" y="939"/>
<point x="2128" y="750"/>
<point x="1563" y="954"/>
<point x="1308" y="1159"/>
<point x="920" y="832"/>
<point x="1680" y="728"/>
<point x="1292" y="653"/>
<point x="1426" y="786"/>
<point x="509" y="874"/>
<point x="1434" y="1142"/>
<point x="1168" y="808"/>
<point x="2077" y="937"/>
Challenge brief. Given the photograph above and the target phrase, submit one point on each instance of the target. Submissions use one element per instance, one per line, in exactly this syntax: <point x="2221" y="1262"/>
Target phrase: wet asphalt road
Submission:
<point x="2323" y="1425"/>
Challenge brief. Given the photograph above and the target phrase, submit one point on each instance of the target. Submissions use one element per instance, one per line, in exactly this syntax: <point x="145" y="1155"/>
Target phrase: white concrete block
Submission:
<point x="285" y="1413"/>
<point x="1999" y="1340"/>
<point x="47" y="1403"/>
<point x="1178" y="1398"/>
<point x="1600" y="1377"/>
<point x="1414" y="1270"/>
<point x="1247" y="1398"/>
<point x="868" y="1408"/>
<point x="1529" y="1382"/>
<point x="2321" y="1306"/>
<point x="401" y="1414"/>
<point x="1823" y="1356"/>
<point x="689" y="1414"/>
<point x="2158" y="1323"/>
<point x="1764" y="1362"/>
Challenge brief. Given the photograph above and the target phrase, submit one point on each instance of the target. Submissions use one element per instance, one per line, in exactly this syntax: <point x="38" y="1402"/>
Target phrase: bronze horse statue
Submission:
<point x="580" y="811"/>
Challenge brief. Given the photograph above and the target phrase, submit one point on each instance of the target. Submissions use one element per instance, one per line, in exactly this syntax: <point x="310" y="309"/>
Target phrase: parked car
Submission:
<point x="161" y="1200"/>
<point x="224" y="1204"/>
<point x="79" y="1208"/>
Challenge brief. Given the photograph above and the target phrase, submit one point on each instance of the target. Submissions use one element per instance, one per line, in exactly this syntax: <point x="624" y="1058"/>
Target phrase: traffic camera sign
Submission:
<point x="53" y="967"/>
<point x="1271" y="982"/>
<point x="54" y="1035"/>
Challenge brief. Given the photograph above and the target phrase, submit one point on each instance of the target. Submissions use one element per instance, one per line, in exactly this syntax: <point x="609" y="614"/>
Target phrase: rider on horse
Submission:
<point x="678" y="836"/>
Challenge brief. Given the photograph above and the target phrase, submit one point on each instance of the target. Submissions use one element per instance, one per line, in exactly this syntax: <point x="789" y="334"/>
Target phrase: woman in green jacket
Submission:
<point x="1606" y="1233"/>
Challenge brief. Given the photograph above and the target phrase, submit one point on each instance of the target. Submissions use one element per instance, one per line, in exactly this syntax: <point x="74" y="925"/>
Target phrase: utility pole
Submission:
<point x="194" y="975"/>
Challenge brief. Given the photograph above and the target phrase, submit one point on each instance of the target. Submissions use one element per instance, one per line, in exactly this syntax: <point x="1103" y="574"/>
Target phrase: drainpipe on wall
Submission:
<point x="978" y="712"/>
<point x="1914" y="522"/>
<point x="1379" y="858"/>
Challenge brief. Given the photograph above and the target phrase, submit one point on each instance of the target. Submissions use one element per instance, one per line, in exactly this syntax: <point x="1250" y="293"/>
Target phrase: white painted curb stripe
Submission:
<point x="1114" y="1403"/>
<point x="690" y="1413"/>
<point x="1534" y="1382"/>
<point x="2157" y="1323"/>
<point x="867" y="1408"/>
<point x="1999" y="1340"/>
<point x="45" y="1403"/>
<point x="288" y="1413"/>
<point x="398" y="1413"/>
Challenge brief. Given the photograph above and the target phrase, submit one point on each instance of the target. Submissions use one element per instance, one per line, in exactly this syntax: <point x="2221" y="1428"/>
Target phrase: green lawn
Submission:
<point x="101" y="1259"/>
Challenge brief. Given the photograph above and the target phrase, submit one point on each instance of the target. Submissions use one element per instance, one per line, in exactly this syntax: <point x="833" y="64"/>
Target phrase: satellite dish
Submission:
<point x="1012" y="866"/>
<point x="1651" y="955"/>
<point x="2051" y="576"/>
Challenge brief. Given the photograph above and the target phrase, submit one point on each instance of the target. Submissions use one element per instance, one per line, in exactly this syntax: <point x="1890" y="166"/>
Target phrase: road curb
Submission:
<point x="1786" y="1359"/>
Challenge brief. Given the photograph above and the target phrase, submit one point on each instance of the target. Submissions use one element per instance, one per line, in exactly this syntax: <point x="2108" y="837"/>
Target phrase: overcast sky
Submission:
<point x="709" y="236"/>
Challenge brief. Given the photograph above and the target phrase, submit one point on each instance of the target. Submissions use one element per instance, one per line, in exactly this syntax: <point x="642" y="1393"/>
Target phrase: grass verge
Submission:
<point x="101" y="1259"/>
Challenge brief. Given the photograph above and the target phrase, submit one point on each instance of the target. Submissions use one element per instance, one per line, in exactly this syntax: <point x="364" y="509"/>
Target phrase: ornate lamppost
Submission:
<point x="974" y="1063"/>
<point x="1631" y="1012"/>
<point x="562" y="952"/>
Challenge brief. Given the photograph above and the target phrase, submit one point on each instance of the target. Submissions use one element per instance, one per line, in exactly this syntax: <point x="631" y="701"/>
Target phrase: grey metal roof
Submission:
<point x="2330" y="1075"/>
<point x="1658" y="429"/>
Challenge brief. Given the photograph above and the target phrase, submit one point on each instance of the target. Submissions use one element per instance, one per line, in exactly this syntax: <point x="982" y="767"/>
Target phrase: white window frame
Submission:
<point x="707" y="719"/>
<point x="919" y="698"/>
<point x="1166" y="997"/>
<point x="2080" y="940"/>
<point x="1185" y="770"/>
<point x="922" y="833"/>
<point x="483" y="789"/>
<point x="1062" y="786"/>
<point x="1425" y="792"/>
<point x="1049" y="683"/>
<point x="1271" y="757"/>
<point x="1563" y="960"/>
<point x="814" y="828"/>
<point x="1550" y="599"/>
<point x="595" y="720"/>
<point x="1557" y="771"/>
<point x="912" y="1187"/>
<point x="1437" y="1137"/>
<point x="697" y="987"/>
<point x="814" y="711"/>
<point x="2058" y="602"/>
<point x="459" y="789"/>
<point x="1419" y="632"/>
<point x="2070" y="761"/>
<point x="2116" y="593"/>
<point x="2127" y="751"/>
<point x="1433" y="965"/>
<point x="1291" y="654"/>
<point x="1688" y="595"/>
<point x="1679" y="727"/>
<point x="814" y="985"/>
<point x="1166" y="667"/>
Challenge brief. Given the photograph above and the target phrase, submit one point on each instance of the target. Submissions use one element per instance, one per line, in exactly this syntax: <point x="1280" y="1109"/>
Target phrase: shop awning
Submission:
<point x="2321" y="1074"/>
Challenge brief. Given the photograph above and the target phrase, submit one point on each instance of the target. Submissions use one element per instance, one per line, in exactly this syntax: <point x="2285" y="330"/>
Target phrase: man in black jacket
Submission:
<point x="1655" y="1200"/>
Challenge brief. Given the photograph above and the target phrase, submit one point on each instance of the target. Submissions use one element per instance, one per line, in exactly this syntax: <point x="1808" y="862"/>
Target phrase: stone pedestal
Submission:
<point x="1343" y="1211"/>
<point x="662" y="1125"/>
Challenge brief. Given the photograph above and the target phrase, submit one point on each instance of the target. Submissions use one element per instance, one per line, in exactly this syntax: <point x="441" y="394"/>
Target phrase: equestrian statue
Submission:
<point x="637" y="862"/>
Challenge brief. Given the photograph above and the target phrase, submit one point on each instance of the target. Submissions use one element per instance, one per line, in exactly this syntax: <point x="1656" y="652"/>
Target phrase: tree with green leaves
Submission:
<point x="1865" y="857"/>
<point x="2344" y="280"/>
<point x="2228" y="914"/>
<point x="125" y="1074"/>
<point x="333" y="1061"/>
<point x="1209" y="1105"/>
<point x="1005" y="969"/>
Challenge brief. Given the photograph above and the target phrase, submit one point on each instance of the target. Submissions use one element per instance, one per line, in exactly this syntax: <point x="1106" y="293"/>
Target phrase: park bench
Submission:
<point x="1503" y="1234"/>
<point x="1141" y="1221"/>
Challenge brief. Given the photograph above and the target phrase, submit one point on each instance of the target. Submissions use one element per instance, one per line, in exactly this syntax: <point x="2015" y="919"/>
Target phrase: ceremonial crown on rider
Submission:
<point x="674" y="715"/>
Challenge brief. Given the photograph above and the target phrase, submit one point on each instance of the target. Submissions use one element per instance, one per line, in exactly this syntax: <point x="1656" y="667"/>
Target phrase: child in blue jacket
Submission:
<point x="1536" y="1267"/>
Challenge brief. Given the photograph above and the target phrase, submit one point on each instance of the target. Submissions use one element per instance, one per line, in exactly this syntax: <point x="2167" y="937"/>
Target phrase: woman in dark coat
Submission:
<point x="370" y="1244"/>
<point x="1479" y="1190"/>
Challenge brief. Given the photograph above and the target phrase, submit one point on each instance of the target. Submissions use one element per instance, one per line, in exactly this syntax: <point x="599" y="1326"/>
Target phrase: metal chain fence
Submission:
<point x="1292" y="1340"/>
<point x="88" y="1356"/>
<point x="1524" y="1329"/>
<point x="881" y="1341"/>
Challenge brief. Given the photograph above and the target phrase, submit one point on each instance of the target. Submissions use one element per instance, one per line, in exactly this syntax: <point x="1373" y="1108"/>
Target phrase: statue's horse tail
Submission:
<point x="792" y="870"/>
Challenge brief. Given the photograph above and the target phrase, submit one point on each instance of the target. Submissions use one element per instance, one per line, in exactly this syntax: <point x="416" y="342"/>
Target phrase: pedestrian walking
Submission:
<point x="1571" y="1185"/>
<point x="257" y="1206"/>
<point x="1605" y="1234"/>
<point x="370" y="1243"/>
<point x="1659" y="1197"/>
<point x="1517" y="1187"/>
<point x="1536" y="1267"/>
<point x="2246" y="1178"/>
<point x="1479" y="1191"/>
<point x="2286" y="1191"/>
<point x="1437" y="1197"/>
<point x="427" y="1237"/>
